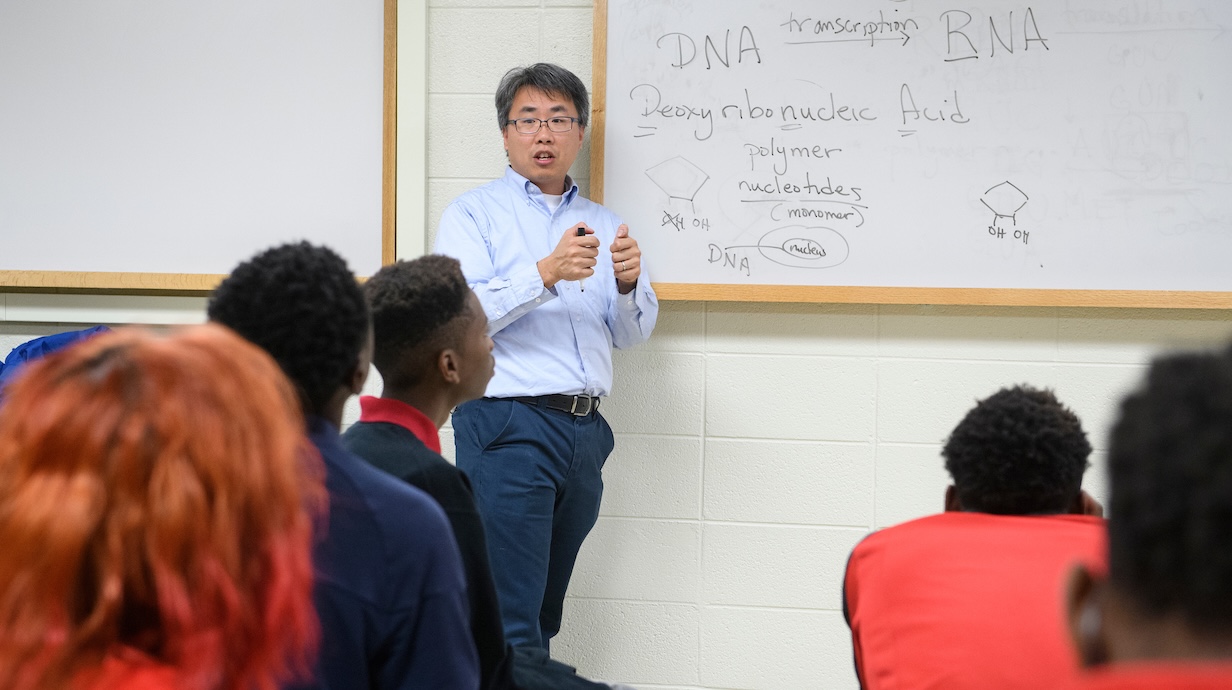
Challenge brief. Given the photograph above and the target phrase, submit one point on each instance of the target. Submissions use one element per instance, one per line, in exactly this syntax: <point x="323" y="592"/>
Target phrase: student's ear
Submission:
<point x="1085" y="504"/>
<point x="359" y="375"/>
<point x="1085" y="616"/>
<point x="363" y="363"/>
<point x="447" y="364"/>
<point x="952" y="504"/>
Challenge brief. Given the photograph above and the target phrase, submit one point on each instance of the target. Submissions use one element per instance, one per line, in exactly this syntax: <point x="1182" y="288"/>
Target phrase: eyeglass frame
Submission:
<point x="543" y="122"/>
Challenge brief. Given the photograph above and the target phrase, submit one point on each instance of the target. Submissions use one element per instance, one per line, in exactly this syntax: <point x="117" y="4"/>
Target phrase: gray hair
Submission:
<point x="547" y="78"/>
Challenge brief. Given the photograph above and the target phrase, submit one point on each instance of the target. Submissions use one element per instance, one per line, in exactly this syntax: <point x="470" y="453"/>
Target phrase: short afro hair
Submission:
<point x="1018" y="452"/>
<point x="418" y="309"/>
<point x="1170" y="503"/>
<point x="548" y="78"/>
<point x="302" y="305"/>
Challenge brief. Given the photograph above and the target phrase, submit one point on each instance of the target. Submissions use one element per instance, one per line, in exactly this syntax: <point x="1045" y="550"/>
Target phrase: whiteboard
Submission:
<point x="1057" y="145"/>
<point x="157" y="138"/>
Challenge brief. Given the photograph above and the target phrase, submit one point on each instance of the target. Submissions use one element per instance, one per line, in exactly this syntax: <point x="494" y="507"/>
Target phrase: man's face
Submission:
<point x="477" y="364"/>
<point x="545" y="156"/>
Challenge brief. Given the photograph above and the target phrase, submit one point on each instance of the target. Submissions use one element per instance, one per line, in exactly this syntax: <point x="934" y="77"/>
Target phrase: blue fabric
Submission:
<point x="537" y="476"/>
<point x="390" y="590"/>
<point x="41" y="347"/>
<point x="547" y="341"/>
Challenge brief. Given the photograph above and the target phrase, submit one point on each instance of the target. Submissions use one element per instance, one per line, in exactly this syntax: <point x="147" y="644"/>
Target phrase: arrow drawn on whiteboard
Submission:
<point x="678" y="177"/>
<point x="871" y="40"/>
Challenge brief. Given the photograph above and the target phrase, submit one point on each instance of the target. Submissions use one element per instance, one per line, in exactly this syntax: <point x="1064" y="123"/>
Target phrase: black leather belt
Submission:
<point x="576" y="405"/>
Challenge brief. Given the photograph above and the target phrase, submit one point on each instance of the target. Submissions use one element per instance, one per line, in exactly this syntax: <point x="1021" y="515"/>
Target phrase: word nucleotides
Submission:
<point x="770" y="143"/>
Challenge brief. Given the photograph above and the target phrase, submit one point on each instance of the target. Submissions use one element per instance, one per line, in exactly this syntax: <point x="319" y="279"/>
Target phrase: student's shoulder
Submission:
<point x="399" y="452"/>
<point x="390" y="502"/>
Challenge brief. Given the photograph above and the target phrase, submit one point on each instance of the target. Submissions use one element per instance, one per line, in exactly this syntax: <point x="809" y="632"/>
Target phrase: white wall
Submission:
<point x="756" y="443"/>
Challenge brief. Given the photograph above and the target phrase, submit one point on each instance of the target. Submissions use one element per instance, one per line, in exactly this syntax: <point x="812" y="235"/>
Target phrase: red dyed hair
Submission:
<point x="156" y="494"/>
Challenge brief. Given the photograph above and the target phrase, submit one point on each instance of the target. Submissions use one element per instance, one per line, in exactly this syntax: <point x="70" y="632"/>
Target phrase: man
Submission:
<point x="971" y="598"/>
<point x="561" y="282"/>
<point x="433" y="353"/>
<point x="390" y="590"/>
<point x="1162" y="616"/>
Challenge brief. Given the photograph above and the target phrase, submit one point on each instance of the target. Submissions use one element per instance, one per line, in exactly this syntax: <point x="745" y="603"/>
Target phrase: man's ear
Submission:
<point x="447" y="364"/>
<point x="1085" y="616"/>
<point x="952" y="504"/>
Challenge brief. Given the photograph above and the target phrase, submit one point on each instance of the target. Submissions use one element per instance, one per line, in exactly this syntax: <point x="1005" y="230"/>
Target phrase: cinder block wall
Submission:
<point x="756" y="444"/>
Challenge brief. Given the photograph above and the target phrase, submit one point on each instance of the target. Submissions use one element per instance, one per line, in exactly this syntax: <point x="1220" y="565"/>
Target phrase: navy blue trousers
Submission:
<point x="538" y="481"/>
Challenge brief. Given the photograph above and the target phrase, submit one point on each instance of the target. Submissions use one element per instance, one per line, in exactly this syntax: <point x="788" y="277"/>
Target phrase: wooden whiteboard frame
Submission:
<point x="1015" y="297"/>
<point x="196" y="283"/>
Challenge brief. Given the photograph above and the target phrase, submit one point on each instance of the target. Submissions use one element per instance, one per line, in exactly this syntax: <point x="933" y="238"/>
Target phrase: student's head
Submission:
<point x="156" y="494"/>
<point x="542" y="91"/>
<point x="429" y="328"/>
<point x="1170" y="530"/>
<point x="1017" y="452"/>
<point x="302" y="305"/>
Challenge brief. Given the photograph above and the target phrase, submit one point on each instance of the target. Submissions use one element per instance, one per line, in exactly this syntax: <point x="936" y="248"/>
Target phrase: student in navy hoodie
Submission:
<point x="390" y="589"/>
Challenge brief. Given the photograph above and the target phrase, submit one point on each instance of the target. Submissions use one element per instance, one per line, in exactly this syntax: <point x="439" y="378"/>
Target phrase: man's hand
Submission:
<point x="626" y="260"/>
<point x="573" y="259"/>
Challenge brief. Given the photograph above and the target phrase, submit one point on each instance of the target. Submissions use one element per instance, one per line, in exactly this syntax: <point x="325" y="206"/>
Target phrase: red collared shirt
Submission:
<point x="390" y="411"/>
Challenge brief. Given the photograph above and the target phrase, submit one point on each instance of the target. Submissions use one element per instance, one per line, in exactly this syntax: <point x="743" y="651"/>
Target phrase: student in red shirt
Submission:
<point x="1162" y="617"/>
<point x="973" y="598"/>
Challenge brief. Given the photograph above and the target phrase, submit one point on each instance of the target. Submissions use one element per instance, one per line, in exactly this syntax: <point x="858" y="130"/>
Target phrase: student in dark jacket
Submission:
<point x="432" y="349"/>
<point x="1161" y="617"/>
<point x="390" y="590"/>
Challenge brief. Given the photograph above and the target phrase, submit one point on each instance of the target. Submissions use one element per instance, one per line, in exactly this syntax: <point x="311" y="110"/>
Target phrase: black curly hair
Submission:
<point x="302" y="305"/>
<point x="1018" y="452"/>
<point x="1170" y="505"/>
<point x="418" y="309"/>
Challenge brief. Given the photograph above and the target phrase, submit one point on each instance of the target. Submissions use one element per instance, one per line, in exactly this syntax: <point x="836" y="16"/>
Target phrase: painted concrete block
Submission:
<point x="466" y="141"/>
<point x="470" y="49"/>
<point x="920" y="401"/>
<point x="910" y="483"/>
<point x="776" y="566"/>
<point x="789" y="649"/>
<point x="789" y="482"/>
<point x="653" y="477"/>
<point x="656" y="393"/>
<point x="630" y="642"/>
<point x="792" y="329"/>
<point x="961" y="332"/>
<point x="801" y="398"/>
<point x="639" y="560"/>
<point x="1134" y="336"/>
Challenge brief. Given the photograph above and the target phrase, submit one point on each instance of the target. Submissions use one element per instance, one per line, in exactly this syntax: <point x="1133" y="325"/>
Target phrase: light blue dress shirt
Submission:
<point x="556" y="340"/>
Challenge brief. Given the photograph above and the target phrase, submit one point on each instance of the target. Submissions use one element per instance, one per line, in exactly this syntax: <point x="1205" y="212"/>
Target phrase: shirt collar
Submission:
<point x="390" y="411"/>
<point x="532" y="191"/>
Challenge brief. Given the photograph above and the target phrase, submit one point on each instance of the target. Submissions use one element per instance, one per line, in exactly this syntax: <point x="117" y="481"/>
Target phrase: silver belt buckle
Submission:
<point x="573" y="409"/>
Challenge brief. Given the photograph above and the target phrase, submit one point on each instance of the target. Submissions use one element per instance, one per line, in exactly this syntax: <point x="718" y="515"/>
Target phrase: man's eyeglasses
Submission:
<point x="531" y="125"/>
